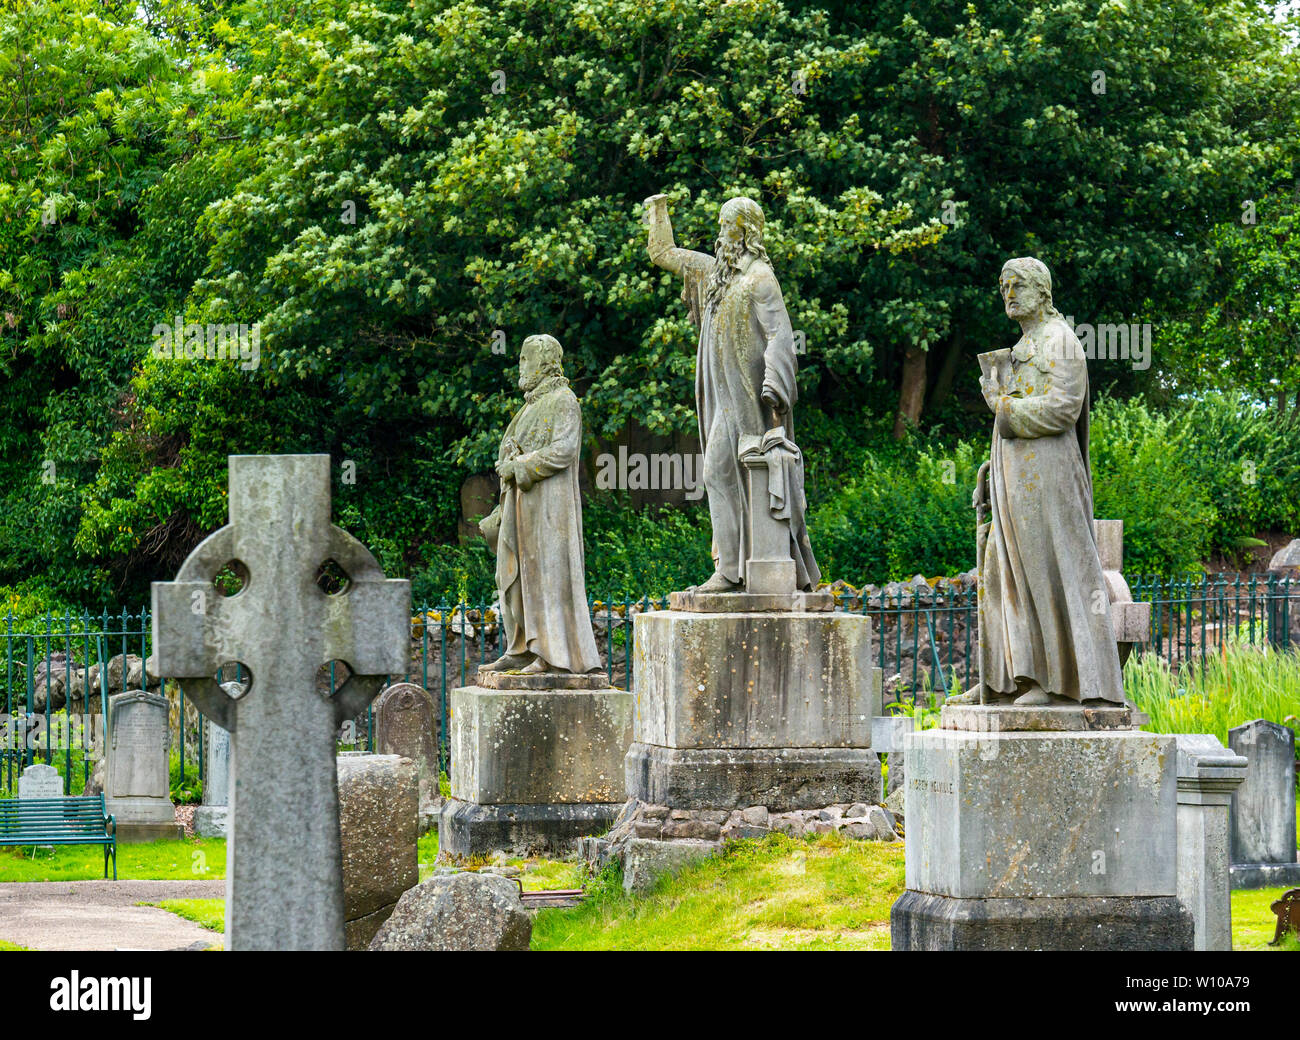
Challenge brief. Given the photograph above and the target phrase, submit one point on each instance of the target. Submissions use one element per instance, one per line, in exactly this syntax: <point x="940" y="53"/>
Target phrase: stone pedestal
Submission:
<point x="752" y="705"/>
<point x="536" y="763"/>
<point x="1040" y="838"/>
<point x="1208" y="773"/>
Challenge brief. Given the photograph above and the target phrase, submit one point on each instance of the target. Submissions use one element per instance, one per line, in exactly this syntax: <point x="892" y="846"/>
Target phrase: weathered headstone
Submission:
<point x="406" y="724"/>
<point x="1263" y="807"/>
<point x="378" y="808"/>
<point x="211" y="818"/>
<point x="40" y="781"/>
<point x="137" y="786"/>
<point x="1208" y="773"/>
<point x="284" y="880"/>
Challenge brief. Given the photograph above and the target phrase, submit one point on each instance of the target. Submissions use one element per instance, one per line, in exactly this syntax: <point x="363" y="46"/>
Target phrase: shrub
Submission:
<point x="900" y="517"/>
<point x="1141" y="477"/>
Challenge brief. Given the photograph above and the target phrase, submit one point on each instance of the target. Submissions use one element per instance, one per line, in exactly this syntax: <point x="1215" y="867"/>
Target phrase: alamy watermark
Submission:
<point x="636" y="471"/>
<point x="211" y="342"/>
<point x="1107" y="342"/>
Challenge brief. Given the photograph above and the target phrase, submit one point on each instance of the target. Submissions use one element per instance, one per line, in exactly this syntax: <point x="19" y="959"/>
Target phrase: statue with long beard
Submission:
<point x="744" y="381"/>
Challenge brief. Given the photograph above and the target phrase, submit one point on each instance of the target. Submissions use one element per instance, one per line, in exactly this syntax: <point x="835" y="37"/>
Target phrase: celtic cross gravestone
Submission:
<point x="284" y="886"/>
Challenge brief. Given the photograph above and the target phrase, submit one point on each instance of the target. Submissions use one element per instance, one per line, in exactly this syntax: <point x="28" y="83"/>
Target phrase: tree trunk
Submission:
<point x="947" y="371"/>
<point x="911" y="397"/>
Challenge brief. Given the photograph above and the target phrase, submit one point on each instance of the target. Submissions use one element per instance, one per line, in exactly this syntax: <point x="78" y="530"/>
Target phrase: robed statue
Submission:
<point x="1045" y="632"/>
<point x="536" y="530"/>
<point x="744" y="382"/>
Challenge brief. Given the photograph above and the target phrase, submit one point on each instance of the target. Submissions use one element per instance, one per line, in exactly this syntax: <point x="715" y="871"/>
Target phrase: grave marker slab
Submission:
<point x="40" y="781"/>
<point x="284" y="887"/>
<point x="137" y="785"/>
<point x="1263" y="807"/>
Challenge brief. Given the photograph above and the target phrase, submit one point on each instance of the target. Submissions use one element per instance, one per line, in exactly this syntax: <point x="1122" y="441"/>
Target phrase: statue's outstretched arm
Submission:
<point x="663" y="251"/>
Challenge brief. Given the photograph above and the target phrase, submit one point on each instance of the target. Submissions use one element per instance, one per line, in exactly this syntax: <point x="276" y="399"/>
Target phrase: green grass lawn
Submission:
<point x="777" y="893"/>
<point x="7" y="946"/>
<point x="207" y="913"/>
<point x="1253" y="923"/>
<point x="191" y="859"/>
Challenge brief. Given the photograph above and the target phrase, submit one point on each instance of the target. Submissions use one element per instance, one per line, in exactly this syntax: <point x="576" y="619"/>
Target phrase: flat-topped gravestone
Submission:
<point x="40" y="781"/>
<point x="284" y="881"/>
<point x="406" y="724"/>
<point x="1263" y="807"/>
<point x="137" y="785"/>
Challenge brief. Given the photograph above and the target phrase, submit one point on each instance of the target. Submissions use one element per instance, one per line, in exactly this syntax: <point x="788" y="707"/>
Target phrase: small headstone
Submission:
<point x="1263" y="807"/>
<point x="137" y="787"/>
<point x="216" y="766"/>
<point x="210" y="818"/>
<point x="40" y="781"/>
<point x="406" y="724"/>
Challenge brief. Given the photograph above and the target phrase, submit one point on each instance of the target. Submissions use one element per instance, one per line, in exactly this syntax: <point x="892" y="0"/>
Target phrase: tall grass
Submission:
<point x="1236" y="684"/>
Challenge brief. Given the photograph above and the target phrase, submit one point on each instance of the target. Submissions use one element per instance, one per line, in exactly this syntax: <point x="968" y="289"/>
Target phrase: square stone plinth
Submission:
<point x="1041" y="815"/>
<point x="753" y="680"/>
<point x="539" y="747"/>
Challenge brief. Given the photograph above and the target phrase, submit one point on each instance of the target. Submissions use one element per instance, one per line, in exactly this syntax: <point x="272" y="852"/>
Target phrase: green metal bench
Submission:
<point x="59" y="821"/>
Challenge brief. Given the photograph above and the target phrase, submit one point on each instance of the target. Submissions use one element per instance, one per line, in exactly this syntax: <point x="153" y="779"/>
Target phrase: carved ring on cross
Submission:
<point x="209" y="558"/>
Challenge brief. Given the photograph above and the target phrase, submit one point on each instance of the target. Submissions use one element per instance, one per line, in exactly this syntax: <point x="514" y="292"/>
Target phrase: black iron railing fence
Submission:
<point x="57" y="669"/>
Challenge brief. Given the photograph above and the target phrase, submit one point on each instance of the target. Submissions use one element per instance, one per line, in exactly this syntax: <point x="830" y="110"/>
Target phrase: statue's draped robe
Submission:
<point x="1044" y="613"/>
<point x="541" y="574"/>
<point x="746" y="346"/>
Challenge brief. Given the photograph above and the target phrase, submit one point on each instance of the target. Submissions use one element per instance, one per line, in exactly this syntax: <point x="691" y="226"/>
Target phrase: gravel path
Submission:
<point x="102" y="915"/>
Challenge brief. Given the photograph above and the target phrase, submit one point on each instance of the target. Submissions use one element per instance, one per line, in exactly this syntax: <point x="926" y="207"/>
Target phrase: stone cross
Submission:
<point x="284" y="887"/>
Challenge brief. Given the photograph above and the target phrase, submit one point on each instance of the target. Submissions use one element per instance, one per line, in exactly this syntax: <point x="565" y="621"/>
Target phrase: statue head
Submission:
<point x="1026" y="288"/>
<point x="740" y="234"/>
<point x="539" y="359"/>
<point x="740" y="222"/>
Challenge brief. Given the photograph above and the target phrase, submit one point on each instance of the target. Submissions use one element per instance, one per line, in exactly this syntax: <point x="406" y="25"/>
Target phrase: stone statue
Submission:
<point x="744" y="381"/>
<point x="1045" y="632"/>
<point x="536" y="530"/>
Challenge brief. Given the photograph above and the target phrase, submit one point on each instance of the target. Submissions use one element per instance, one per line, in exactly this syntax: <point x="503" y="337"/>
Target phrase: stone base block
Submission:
<point x="539" y="747"/>
<point x="1059" y="718"/>
<point x="734" y="778"/>
<point x="1264" y="875"/>
<point x="211" y="821"/>
<point x="1049" y="815"/>
<point x="136" y="833"/>
<point x="469" y="829"/>
<point x="645" y="860"/>
<point x="753" y="680"/>
<point x="920" y="921"/>
<point x="731" y="602"/>
<point x="541" y="681"/>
